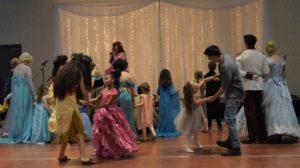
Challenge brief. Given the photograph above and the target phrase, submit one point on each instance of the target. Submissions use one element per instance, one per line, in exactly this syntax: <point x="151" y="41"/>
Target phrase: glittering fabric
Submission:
<point x="69" y="124"/>
<point x="112" y="136"/>
<point x="52" y="125"/>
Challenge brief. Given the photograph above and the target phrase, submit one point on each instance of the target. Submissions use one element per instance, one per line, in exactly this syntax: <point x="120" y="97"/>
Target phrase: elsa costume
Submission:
<point x="22" y="107"/>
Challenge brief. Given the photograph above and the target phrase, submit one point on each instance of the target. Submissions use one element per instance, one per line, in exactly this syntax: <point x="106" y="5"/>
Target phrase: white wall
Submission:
<point x="285" y="26"/>
<point x="31" y="23"/>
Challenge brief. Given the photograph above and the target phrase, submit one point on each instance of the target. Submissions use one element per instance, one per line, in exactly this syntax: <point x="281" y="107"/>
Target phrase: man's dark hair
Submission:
<point x="212" y="50"/>
<point x="250" y="40"/>
<point x="212" y="66"/>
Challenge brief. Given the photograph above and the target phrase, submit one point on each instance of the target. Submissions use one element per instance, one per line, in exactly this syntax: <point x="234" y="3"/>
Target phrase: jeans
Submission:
<point x="231" y="109"/>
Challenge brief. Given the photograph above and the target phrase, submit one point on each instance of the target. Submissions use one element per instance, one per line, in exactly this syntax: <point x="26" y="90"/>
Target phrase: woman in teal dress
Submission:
<point x="22" y="96"/>
<point x="126" y="85"/>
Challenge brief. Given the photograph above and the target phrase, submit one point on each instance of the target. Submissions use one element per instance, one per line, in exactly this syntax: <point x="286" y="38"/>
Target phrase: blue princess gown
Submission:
<point x="277" y="104"/>
<point x="21" y="111"/>
<point x="169" y="107"/>
<point x="86" y="122"/>
<point x="126" y="103"/>
<point x="40" y="133"/>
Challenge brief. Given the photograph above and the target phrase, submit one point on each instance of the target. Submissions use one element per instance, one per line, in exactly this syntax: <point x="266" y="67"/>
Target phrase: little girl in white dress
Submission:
<point x="191" y="118"/>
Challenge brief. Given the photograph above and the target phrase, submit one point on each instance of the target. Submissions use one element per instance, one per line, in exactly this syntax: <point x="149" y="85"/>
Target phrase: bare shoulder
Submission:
<point x="277" y="58"/>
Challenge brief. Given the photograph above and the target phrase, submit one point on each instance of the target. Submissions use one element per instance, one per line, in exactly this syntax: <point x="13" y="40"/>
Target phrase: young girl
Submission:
<point x="169" y="106"/>
<point x="191" y="118"/>
<point x="199" y="89"/>
<point x="40" y="131"/>
<point x="112" y="136"/>
<point x="145" y="112"/>
<point x="67" y="83"/>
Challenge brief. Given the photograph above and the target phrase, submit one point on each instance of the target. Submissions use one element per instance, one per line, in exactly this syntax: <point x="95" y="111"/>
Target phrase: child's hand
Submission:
<point x="211" y="99"/>
<point x="82" y="102"/>
<point x="217" y="77"/>
<point x="92" y="106"/>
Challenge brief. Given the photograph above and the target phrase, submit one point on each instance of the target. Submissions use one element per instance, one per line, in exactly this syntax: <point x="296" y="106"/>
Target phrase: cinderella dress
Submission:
<point x="40" y="133"/>
<point x="126" y="103"/>
<point x="21" y="108"/>
<point x="277" y="104"/>
<point x="169" y="107"/>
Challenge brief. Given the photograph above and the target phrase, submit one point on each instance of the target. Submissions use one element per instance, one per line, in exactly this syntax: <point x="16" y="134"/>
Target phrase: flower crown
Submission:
<point x="81" y="57"/>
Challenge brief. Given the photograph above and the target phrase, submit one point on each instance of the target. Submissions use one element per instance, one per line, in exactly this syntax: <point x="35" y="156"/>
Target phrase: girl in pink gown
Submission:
<point x="112" y="136"/>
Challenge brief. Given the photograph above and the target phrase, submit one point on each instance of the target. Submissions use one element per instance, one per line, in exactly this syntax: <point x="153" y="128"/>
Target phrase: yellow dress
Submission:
<point x="51" y="102"/>
<point x="4" y="107"/>
<point x="69" y="124"/>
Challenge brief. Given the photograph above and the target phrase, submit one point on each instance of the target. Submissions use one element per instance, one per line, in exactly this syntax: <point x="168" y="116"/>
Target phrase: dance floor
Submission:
<point x="161" y="153"/>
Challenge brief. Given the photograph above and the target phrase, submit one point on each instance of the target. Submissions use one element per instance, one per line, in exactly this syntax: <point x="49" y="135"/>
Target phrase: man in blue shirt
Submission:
<point x="231" y="85"/>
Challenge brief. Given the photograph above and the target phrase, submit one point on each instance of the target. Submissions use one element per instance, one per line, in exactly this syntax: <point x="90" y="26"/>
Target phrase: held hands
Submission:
<point x="251" y="76"/>
<point x="217" y="77"/>
<point x="211" y="99"/>
<point x="82" y="103"/>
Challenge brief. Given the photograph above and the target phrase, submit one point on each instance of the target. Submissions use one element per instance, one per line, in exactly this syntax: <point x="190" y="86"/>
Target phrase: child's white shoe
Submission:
<point x="189" y="150"/>
<point x="198" y="146"/>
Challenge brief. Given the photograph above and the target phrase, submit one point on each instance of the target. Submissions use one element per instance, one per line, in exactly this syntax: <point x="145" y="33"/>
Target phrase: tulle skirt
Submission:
<point x="188" y="124"/>
<point x="112" y="135"/>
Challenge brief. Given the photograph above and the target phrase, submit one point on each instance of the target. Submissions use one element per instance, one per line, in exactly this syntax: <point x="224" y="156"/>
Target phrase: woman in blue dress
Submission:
<point x="21" y="109"/>
<point x="40" y="132"/>
<point x="281" y="121"/>
<point x="169" y="106"/>
<point x="126" y="91"/>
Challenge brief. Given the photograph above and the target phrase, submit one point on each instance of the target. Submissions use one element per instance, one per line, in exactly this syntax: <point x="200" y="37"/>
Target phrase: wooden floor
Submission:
<point x="162" y="153"/>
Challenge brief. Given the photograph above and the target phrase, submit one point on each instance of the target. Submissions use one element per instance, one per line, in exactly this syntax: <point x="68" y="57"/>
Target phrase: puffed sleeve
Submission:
<point x="114" y="92"/>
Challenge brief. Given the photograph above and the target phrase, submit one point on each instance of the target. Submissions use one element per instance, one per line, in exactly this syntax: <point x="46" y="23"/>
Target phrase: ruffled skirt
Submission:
<point x="112" y="135"/>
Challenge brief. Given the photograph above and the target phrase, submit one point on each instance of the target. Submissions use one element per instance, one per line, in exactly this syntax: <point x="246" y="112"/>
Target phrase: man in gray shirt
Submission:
<point x="231" y="85"/>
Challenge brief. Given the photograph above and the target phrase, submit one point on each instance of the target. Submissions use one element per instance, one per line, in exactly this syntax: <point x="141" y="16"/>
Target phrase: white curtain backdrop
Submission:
<point x="158" y="34"/>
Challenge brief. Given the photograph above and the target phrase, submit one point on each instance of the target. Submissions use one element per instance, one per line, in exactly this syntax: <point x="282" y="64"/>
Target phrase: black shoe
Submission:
<point x="224" y="144"/>
<point x="248" y="141"/>
<point x="232" y="152"/>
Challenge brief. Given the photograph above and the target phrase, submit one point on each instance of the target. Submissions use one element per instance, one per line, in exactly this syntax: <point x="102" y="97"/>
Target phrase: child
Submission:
<point x="40" y="133"/>
<point x="213" y="109"/>
<point x="198" y="77"/>
<point x="145" y="113"/>
<point x="112" y="135"/>
<point x="191" y="118"/>
<point x="169" y="106"/>
<point x="68" y="83"/>
<point x="199" y="89"/>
